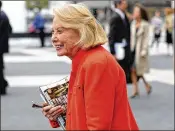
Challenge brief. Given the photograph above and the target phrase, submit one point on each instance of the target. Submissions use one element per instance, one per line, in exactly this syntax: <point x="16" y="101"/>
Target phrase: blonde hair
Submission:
<point x="78" y="16"/>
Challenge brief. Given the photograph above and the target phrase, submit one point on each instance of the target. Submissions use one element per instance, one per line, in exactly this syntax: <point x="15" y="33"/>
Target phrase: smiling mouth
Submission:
<point x="58" y="47"/>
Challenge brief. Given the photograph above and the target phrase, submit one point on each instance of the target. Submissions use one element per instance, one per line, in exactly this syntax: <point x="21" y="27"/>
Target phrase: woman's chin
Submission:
<point x="60" y="54"/>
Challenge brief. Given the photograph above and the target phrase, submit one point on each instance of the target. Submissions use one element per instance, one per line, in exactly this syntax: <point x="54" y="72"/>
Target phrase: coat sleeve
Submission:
<point x="114" y="28"/>
<point x="54" y="124"/>
<point x="144" y="50"/>
<point x="99" y="93"/>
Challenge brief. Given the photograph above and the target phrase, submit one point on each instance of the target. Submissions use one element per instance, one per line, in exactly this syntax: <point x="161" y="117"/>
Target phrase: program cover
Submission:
<point x="56" y="94"/>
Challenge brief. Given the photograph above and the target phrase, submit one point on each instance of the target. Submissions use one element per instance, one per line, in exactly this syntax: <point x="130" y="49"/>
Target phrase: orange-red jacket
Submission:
<point x="97" y="97"/>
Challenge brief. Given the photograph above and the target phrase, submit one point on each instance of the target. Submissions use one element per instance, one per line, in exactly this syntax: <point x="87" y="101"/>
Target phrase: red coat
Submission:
<point x="97" y="97"/>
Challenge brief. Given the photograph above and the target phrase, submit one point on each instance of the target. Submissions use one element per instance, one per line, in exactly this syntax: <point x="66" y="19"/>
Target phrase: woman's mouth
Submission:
<point x="58" y="47"/>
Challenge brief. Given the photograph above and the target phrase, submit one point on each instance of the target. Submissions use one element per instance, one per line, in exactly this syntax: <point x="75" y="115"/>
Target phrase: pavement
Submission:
<point x="28" y="66"/>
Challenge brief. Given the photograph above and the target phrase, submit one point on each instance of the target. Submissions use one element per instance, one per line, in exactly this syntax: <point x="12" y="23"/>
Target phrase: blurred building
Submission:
<point x="17" y="13"/>
<point x="21" y="13"/>
<point x="151" y="5"/>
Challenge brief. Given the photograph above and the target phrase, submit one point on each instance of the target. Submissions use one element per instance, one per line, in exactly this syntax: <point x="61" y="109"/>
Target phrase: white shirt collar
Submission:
<point x="122" y="15"/>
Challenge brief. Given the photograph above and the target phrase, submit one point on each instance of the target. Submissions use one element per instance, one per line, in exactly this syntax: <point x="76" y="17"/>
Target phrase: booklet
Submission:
<point x="119" y="49"/>
<point x="56" y="94"/>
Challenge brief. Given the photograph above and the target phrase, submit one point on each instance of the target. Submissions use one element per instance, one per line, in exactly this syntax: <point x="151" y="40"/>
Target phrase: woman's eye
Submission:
<point x="59" y="31"/>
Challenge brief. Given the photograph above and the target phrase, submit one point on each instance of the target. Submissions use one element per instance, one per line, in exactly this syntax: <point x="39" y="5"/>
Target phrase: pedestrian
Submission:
<point x="101" y="17"/>
<point x="119" y="36"/>
<point x="157" y="23"/>
<point x="39" y="25"/>
<point x="173" y="38"/>
<point x="5" y="30"/>
<point x="97" y="96"/>
<point x="169" y="27"/>
<point x="173" y="33"/>
<point x="139" y="48"/>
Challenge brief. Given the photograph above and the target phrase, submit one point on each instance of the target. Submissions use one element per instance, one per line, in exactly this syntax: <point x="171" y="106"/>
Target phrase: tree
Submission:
<point x="31" y="4"/>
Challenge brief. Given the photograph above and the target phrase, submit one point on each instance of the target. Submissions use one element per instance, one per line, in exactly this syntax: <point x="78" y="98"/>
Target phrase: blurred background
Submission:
<point x="32" y="62"/>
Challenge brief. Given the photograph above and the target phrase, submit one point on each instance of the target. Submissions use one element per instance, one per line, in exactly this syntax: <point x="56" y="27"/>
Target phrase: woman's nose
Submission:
<point x="54" y="38"/>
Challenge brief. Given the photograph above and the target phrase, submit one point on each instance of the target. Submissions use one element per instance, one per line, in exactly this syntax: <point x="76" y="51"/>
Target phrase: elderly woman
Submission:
<point x="97" y="96"/>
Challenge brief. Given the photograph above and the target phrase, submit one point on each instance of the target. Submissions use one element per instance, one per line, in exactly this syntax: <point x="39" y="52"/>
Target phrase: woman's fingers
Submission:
<point x="53" y="109"/>
<point x="55" y="117"/>
<point x="52" y="112"/>
<point x="51" y="118"/>
<point x="46" y="109"/>
<point x="57" y="112"/>
<point x="45" y="104"/>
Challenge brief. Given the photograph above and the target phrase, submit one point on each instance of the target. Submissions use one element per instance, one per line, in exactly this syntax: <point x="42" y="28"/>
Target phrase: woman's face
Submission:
<point x="136" y="13"/>
<point x="64" y="39"/>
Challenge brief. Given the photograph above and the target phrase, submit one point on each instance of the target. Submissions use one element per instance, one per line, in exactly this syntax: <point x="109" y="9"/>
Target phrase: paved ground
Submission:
<point x="28" y="67"/>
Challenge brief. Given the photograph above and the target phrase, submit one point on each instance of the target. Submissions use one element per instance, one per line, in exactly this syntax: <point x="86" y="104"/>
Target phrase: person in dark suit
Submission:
<point x="5" y="30"/>
<point x="119" y="36"/>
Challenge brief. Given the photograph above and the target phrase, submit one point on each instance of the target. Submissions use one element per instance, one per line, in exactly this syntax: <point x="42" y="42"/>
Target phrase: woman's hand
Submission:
<point x="143" y="54"/>
<point x="51" y="112"/>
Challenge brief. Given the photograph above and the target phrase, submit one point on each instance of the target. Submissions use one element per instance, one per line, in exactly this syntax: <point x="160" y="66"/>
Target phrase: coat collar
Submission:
<point x="140" y="30"/>
<point x="77" y="59"/>
<point x="121" y="13"/>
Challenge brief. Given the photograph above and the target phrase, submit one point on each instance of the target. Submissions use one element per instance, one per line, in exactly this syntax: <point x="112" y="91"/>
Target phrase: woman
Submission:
<point x="157" y="27"/>
<point x="169" y="27"/>
<point x="97" y="96"/>
<point x="139" y="48"/>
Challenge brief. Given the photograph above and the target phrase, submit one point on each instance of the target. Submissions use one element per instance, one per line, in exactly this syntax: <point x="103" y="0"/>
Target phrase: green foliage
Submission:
<point x="31" y="4"/>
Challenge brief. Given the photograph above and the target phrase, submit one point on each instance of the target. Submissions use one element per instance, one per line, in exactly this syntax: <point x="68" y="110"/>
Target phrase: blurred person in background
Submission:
<point x="157" y="23"/>
<point x="5" y="30"/>
<point x="119" y="36"/>
<point x="101" y="17"/>
<point x="38" y="24"/>
<point x="169" y="28"/>
<point x="139" y="48"/>
<point x="129" y="15"/>
<point x="94" y="10"/>
<point x="173" y="37"/>
<point x="97" y="96"/>
<point x="173" y="27"/>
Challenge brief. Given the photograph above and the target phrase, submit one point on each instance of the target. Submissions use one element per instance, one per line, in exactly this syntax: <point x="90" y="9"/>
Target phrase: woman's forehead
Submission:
<point x="56" y="24"/>
<point x="57" y="27"/>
